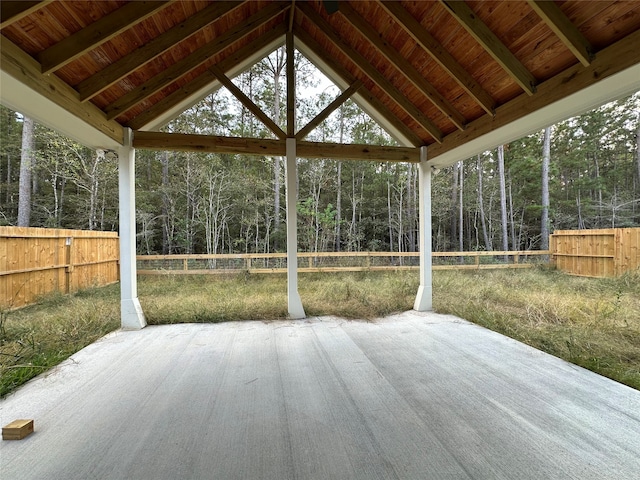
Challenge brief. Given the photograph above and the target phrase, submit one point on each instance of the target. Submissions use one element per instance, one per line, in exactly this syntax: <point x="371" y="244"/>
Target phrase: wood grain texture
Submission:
<point x="39" y="261"/>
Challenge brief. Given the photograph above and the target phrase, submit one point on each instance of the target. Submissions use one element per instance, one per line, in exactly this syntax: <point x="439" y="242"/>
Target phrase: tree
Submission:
<point x="487" y="239"/>
<point x="26" y="164"/>
<point x="503" y="198"/>
<point x="546" y="158"/>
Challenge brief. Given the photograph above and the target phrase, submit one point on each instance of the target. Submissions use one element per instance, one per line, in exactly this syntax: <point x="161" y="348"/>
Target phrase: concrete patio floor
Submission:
<point x="413" y="396"/>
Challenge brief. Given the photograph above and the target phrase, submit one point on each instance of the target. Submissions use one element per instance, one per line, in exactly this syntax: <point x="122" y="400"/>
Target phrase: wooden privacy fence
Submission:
<point x="38" y="261"/>
<point x="316" y="262"/>
<point x="596" y="253"/>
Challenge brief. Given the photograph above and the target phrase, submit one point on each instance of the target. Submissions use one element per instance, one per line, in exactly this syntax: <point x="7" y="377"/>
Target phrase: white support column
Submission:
<point x="131" y="315"/>
<point x="424" y="299"/>
<point x="296" y="310"/>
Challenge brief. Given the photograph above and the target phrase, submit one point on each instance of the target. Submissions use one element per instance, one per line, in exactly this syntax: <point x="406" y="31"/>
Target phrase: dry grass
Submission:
<point x="593" y="323"/>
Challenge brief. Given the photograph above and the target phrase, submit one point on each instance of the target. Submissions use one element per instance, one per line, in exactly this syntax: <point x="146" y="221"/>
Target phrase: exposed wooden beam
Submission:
<point x="374" y="153"/>
<point x="11" y="10"/>
<point x="292" y="15"/>
<point x="270" y="147"/>
<point x="364" y="92"/>
<point x="291" y="85"/>
<point x="329" y="109"/>
<point x="564" y="29"/>
<point x="182" y="67"/>
<point x="205" y="143"/>
<point x="106" y="77"/>
<point x="370" y="71"/>
<point x="613" y="59"/>
<point x="401" y="64"/>
<point x="492" y="44"/>
<point x="430" y="45"/>
<point x="247" y="102"/>
<point x="206" y="78"/>
<point x="15" y="62"/>
<point x="99" y="32"/>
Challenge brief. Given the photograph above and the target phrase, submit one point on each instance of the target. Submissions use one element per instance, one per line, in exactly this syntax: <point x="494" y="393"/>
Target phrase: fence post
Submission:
<point x="69" y="264"/>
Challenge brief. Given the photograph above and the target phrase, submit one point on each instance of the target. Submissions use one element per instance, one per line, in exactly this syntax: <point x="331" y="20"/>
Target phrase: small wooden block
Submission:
<point x="17" y="430"/>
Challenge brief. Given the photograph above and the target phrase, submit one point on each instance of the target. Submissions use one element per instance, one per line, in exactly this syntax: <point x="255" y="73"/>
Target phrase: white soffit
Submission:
<point x="611" y="88"/>
<point x="187" y="103"/>
<point x="17" y="96"/>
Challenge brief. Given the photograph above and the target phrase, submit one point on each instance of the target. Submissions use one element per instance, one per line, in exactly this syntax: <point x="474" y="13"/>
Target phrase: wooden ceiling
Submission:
<point x="438" y="72"/>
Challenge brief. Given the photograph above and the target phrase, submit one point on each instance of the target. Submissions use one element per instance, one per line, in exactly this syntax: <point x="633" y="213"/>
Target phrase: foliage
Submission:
<point x="592" y="323"/>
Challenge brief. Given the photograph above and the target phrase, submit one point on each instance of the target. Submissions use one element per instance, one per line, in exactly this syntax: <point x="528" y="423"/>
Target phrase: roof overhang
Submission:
<point x="609" y="89"/>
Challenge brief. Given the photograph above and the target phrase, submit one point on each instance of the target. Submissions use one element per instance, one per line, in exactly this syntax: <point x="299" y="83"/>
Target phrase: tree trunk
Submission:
<point x="26" y="162"/>
<point x="638" y="148"/>
<point x="503" y="198"/>
<point x="487" y="240"/>
<point x="339" y="189"/>
<point x="275" y="69"/>
<point x="546" y="160"/>
<point x="454" y="204"/>
<point x="389" y="215"/>
<point x="461" y="210"/>
<point x="164" y="160"/>
<point x="338" y="207"/>
<point x="512" y="223"/>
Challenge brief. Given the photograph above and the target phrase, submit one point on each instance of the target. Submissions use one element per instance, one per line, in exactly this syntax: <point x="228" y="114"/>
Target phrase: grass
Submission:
<point x="594" y="323"/>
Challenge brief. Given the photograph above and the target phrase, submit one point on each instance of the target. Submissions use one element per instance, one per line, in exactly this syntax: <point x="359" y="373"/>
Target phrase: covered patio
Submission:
<point x="413" y="396"/>
<point x="446" y="79"/>
<point x="418" y="395"/>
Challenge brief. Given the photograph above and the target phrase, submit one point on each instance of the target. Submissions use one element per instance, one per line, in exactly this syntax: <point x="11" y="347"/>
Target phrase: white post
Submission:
<point x="131" y="315"/>
<point x="296" y="310"/>
<point x="424" y="300"/>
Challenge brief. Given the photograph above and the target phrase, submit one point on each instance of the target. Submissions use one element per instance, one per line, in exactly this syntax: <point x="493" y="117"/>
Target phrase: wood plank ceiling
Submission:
<point x="435" y="70"/>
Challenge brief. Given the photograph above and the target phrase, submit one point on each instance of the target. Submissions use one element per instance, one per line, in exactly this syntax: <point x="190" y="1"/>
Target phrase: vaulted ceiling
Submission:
<point x="435" y="73"/>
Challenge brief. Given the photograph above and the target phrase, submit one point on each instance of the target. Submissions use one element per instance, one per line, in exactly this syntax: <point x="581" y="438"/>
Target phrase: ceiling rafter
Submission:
<point x="566" y="31"/>
<point x="97" y="33"/>
<point x="401" y="64"/>
<point x="430" y="45"/>
<point x="371" y="72"/>
<point x="350" y="79"/>
<point x="247" y="102"/>
<point x="610" y="61"/>
<point x="182" y="67"/>
<point x="491" y="43"/>
<point x="13" y="10"/>
<point x="27" y="70"/>
<point x="206" y="78"/>
<point x="329" y="109"/>
<point x="115" y="72"/>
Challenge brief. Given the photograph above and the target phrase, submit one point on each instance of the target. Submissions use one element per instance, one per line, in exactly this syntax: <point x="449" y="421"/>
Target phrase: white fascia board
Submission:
<point x="17" y="96"/>
<point x="611" y="88"/>
<point x="177" y="110"/>
<point x="357" y="98"/>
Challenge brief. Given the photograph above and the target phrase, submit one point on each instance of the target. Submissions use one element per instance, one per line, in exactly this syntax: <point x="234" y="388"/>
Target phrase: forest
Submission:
<point x="581" y="173"/>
